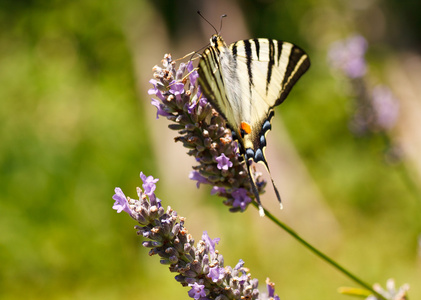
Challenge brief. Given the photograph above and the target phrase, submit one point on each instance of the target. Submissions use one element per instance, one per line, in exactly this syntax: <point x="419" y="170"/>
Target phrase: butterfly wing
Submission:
<point x="272" y="68"/>
<point x="217" y="83"/>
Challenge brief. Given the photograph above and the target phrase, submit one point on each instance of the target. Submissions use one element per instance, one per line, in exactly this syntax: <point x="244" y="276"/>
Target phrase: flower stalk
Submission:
<point x="320" y="254"/>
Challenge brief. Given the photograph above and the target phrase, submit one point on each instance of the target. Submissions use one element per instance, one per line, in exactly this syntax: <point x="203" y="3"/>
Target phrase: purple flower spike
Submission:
<point x="241" y="199"/>
<point x="224" y="162"/>
<point x="199" y="266"/>
<point x="148" y="184"/>
<point x="121" y="203"/>
<point x="197" y="291"/>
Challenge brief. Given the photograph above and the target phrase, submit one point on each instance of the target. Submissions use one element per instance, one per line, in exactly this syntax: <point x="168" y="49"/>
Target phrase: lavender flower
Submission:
<point x="224" y="162"/>
<point x="197" y="291"/>
<point x="204" y="132"/>
<point x="348" y="56"/>
<point x="195" y="175"/>
<point x="241" y="199"/>
<point x="376" y="109"/>
<point x="391" y="293"/>
<point x="271" y="290"/>
<point x="121" y="203"/>
<point x="200" y="267"/>
<point x="148" y="184"/>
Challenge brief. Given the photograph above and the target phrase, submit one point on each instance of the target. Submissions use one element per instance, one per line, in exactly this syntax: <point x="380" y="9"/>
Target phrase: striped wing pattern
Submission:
<point x="245" y="81"/>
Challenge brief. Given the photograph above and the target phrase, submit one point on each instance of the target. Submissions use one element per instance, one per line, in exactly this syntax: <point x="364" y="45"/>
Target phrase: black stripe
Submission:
<point x="208" y="59"/>
<point x="291" y="78"/>
<point x="270" y="64"/>
<point x="234" y="50"/>
<point x="257" y="44"/>
<point x="247" y="48"/>
<point x="215" y="59"/>
<point x="280" y="43"/>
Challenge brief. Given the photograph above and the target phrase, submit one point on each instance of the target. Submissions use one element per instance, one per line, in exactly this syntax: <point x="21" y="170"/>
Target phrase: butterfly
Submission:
<point x="244" y="82"/>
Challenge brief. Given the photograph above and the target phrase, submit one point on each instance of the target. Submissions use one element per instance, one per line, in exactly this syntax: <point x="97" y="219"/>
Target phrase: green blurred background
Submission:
<point x="76" y="121"/>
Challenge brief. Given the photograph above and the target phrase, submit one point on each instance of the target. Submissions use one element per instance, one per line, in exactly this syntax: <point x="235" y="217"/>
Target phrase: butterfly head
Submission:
<point x="216" y="41"/>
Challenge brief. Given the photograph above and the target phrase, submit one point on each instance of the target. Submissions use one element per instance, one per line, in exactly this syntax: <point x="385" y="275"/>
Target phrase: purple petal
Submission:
<point x="148" y="184"/>
<point x="155" y="91"/>
<point x="193" y="75"/>
<point x="217" y="190"/>
<point x="209" y="242"/>
<point x="202" y="100"/>
<point x="197" y="291"/>
<point x="192" y="106"/>
<point x="240" y="198"/>
<point x="216" y="273"/>
<point x="159" y="106"/>
<point x="224" y="162"/>
<point x="176" y="88"/>
<point x="121" y="203"/>
<point x="195" y="175"/>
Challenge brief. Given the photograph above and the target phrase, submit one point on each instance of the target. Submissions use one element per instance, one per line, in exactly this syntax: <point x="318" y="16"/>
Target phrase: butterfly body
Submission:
<point x="245" y="81"/>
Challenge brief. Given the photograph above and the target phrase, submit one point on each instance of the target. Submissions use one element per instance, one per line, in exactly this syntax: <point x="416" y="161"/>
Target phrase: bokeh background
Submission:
<point x="76" y="121"/>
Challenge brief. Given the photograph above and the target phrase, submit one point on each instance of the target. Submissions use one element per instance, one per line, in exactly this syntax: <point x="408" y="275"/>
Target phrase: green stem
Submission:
<point x="320" y="254"/>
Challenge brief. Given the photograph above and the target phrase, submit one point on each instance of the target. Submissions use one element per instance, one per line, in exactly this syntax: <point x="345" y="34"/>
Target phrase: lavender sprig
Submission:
<point x="200" y="267"/>
<point x="376" y="108"/>
<point x="204" y="132"/>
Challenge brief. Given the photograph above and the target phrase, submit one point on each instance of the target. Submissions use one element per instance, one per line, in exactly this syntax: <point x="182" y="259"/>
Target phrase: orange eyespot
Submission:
<point x="246" y="127"/>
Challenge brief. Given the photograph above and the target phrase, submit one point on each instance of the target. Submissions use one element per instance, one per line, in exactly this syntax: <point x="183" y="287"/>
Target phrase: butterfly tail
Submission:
<point x="254" y="188"/>
<point x="276" y="191"/>
<point x="273" y="183"/>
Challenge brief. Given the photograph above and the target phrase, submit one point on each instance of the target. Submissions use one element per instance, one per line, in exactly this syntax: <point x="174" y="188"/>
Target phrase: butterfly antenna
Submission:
<point x="200" y="14"/>
<point x="220" y="26"/>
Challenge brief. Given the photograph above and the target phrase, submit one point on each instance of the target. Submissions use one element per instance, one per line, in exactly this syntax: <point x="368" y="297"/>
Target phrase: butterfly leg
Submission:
<point x="188" y="74"/>
<point x="190" y="54"/>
